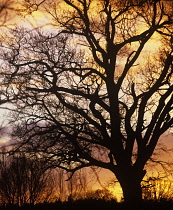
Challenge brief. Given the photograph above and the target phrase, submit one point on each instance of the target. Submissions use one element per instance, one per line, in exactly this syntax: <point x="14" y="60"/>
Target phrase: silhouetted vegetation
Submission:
<point x="29" y="180"/>
<point x="94" y="204"/>
<point x="24" y="180"/>
<point x="25" y="184"/>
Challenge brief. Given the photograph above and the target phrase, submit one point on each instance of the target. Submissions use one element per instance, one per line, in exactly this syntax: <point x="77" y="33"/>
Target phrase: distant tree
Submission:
<point x="157" y="188"/>
<point x="71" y="189"/>
<point x="60" y="182"/>
<point x="87" y="95"/>
<point x="77" y="185"/>
<point x="23" y="180"/>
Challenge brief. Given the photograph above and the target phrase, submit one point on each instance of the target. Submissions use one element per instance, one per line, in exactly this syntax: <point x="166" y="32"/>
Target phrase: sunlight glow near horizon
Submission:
<point x="39" y="18"/>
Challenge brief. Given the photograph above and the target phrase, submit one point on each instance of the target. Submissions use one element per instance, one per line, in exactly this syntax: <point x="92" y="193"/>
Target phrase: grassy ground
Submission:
<point x="92" y="204"/>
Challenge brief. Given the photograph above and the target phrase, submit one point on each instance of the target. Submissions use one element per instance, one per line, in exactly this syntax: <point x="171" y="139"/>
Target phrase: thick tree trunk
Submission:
<point x="130" y="181"/>
<point x="132" y="192"/>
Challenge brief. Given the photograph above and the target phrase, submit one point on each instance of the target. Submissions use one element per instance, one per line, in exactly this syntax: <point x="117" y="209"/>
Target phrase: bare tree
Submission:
<point x="23" y="180"/>
<point x="86" y="95"/>
<point x="60" y="179"/>
<point x="157" y="188"/>
<point x="77" y="185"/>
<point x="70" y="189"/>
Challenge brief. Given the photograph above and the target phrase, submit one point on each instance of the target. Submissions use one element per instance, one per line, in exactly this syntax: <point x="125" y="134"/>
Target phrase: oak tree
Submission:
<point x="88" y="93"/>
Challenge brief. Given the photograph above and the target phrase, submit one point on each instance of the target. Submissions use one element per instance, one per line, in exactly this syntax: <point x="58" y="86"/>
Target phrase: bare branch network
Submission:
<point x="87" y="93"/>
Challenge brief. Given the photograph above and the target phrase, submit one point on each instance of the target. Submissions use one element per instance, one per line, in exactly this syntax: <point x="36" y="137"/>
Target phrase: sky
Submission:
<point x="39" y="18"/>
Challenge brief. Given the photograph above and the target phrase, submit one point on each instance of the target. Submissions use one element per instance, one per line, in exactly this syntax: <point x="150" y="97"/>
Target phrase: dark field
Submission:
<point x="92" y="204"/>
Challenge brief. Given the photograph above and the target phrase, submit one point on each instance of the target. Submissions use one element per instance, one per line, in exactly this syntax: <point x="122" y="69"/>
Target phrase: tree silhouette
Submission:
<point x="87" y="95"/>
<point x="23" y="180"/>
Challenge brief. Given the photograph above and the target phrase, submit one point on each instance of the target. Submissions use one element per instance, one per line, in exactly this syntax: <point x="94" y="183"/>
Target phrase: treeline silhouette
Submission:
<point x="29" y="183"/>
<point x="30" y="180"/>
